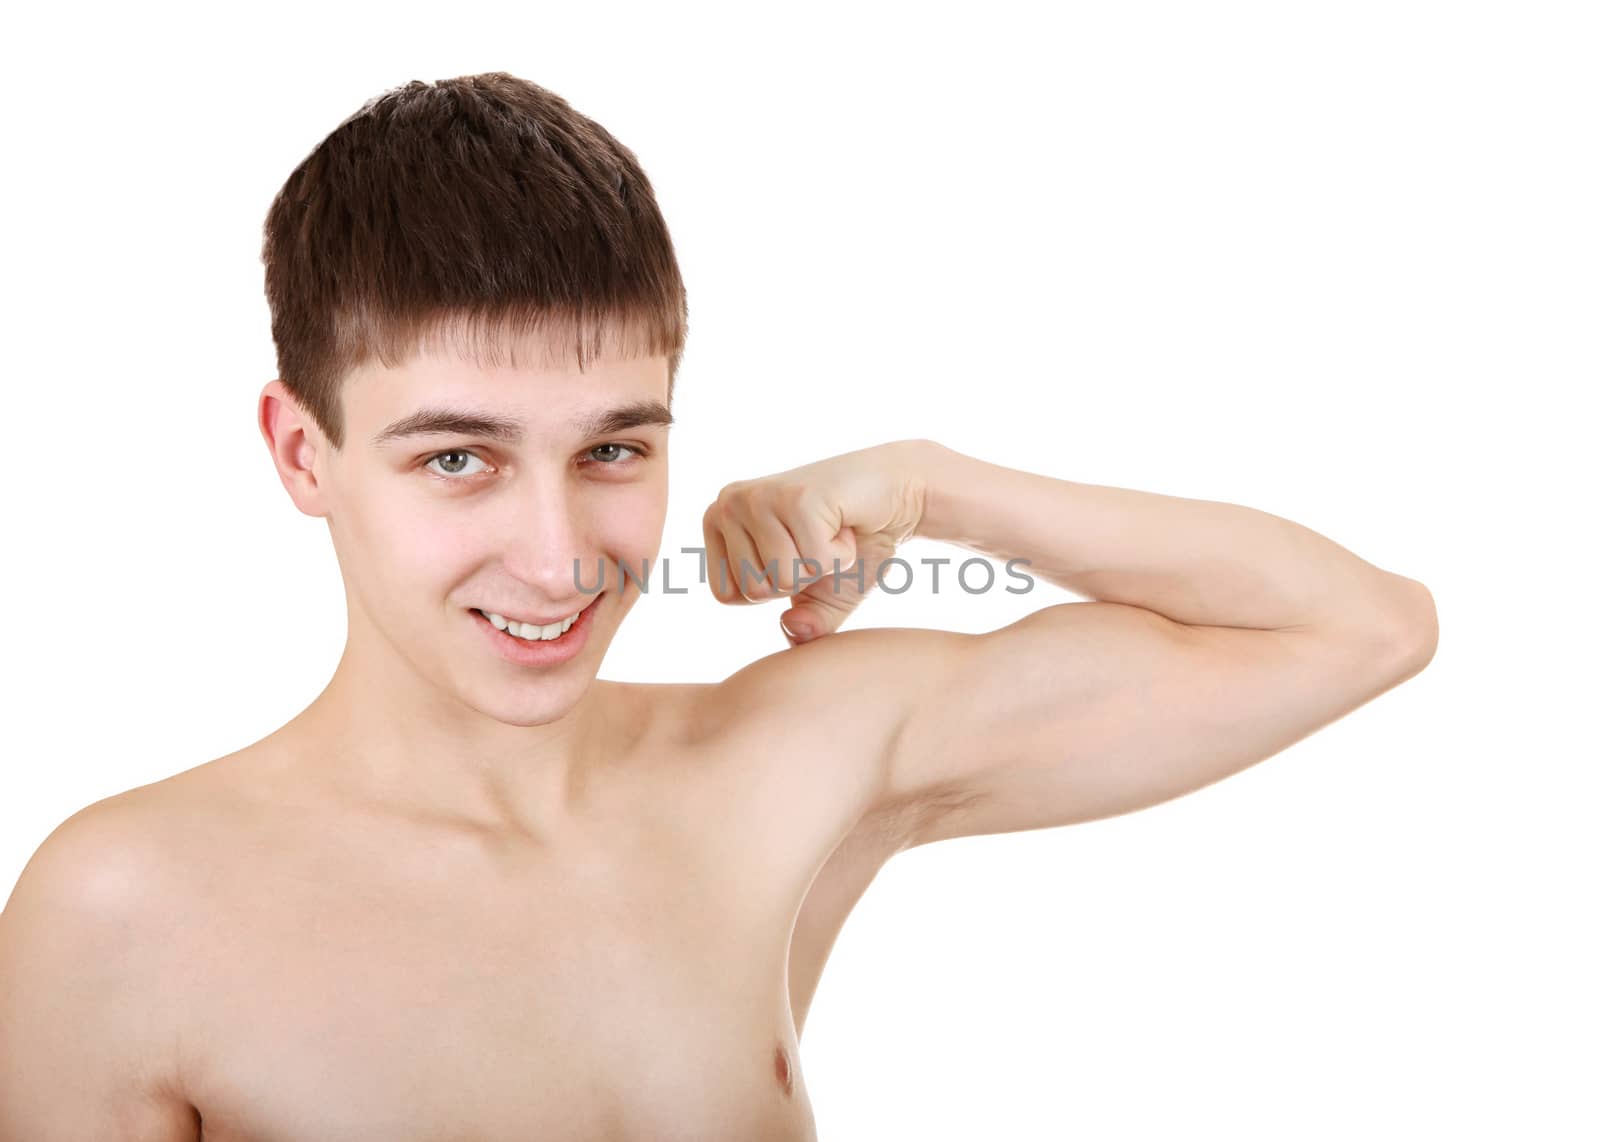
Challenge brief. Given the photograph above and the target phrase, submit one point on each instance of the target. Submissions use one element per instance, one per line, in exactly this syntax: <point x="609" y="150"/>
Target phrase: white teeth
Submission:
<point x="531" y="632"/>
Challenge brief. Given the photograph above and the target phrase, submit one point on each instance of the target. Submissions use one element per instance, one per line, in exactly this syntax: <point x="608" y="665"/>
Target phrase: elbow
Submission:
<point x="1414" y="628"/>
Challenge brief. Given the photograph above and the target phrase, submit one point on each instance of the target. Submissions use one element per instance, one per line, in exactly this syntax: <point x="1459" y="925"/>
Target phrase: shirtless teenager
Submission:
<point x="473" y="891"/>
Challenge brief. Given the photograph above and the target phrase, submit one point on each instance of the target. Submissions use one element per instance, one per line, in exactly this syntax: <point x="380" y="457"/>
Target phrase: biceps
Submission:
<point x="1088" y="710"/>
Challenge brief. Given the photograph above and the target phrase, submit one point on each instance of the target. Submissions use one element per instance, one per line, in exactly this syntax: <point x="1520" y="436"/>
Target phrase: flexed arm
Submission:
<point x="1217" y="636"/>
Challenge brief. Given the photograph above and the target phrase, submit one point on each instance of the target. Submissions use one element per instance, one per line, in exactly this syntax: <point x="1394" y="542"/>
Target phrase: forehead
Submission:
<point x="535" y="383"/>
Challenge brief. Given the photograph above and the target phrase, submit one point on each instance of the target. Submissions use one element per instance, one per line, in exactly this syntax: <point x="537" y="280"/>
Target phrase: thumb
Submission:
<point x="821" y="607"/>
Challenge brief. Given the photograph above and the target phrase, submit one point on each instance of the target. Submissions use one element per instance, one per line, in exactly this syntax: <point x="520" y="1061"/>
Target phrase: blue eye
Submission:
<point x="613" y="444"/>
<point x="452" y="473"/>
<point x="452" y="465"/>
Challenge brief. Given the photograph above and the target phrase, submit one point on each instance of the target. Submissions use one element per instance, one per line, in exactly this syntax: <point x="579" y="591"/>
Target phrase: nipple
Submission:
<point x="780" y="1065"/>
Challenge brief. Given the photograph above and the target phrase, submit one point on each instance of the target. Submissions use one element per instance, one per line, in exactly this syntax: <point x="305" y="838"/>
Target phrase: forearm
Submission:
<point x="1199" y="562"/>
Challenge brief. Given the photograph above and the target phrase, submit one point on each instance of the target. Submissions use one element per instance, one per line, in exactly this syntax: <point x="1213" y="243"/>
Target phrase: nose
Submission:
<point x="546" y="532"/>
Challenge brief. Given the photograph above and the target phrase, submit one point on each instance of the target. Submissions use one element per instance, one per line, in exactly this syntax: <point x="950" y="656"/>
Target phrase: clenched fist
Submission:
<point x="801" y="532"/>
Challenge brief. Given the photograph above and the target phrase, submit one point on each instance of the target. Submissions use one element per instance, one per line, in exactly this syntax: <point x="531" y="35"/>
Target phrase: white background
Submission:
<point x="1337" y="262"/>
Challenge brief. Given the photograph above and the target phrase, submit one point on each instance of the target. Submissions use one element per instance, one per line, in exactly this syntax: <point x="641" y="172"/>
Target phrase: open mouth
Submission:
<point x="551" y="634"/>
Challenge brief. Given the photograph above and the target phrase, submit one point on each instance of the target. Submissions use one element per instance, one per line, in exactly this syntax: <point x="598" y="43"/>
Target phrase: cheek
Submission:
<point x="408" y="543"/>
<point x="631" y="523"/>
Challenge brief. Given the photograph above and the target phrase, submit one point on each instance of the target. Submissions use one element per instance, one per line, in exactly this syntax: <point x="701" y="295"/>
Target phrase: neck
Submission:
<point x="389" y="736"/>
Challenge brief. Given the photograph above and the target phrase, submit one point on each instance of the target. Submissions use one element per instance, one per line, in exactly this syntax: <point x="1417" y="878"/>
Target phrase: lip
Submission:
<point x="521" y="652"/>
<point x="535" y="622"/>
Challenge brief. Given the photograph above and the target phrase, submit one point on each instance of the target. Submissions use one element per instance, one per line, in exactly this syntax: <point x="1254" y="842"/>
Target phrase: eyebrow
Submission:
<point x="493" y="426"/>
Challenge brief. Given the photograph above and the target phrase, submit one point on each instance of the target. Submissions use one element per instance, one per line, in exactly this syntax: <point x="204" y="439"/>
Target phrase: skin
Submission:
<point x="459" y="898"/>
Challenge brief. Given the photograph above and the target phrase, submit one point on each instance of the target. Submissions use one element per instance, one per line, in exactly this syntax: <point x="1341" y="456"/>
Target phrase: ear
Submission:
<point x="295" y="443"/>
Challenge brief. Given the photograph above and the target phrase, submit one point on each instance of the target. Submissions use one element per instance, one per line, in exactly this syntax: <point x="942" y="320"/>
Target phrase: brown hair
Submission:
<point x="477" y="206"/>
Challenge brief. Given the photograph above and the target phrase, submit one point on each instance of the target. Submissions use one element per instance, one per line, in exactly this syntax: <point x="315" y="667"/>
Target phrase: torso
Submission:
<point x="357" y="975"/>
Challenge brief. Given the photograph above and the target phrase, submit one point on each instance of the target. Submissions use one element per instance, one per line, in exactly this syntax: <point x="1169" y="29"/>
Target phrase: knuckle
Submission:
<point x="792" y="497"/>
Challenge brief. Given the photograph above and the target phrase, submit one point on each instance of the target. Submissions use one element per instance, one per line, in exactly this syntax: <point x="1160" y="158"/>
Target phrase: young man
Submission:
<point x="473" y="891"/>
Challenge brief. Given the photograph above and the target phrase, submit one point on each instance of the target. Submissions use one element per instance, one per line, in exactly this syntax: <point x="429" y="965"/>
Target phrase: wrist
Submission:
<point x="942" y="474"/>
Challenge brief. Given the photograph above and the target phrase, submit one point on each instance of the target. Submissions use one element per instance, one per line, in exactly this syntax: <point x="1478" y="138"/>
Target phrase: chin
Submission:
<point x="536" y="705"/>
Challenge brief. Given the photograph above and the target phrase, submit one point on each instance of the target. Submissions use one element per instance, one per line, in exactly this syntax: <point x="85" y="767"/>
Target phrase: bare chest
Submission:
<point x="624" y="996"/>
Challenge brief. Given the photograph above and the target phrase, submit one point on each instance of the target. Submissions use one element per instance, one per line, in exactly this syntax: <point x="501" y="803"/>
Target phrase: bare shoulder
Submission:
<point x="91" y="989"/>
<point x="105" y="861"/>
<point x="851" y="679"/>
<point x="837" y="705"/>
<point x="122" y="868"/>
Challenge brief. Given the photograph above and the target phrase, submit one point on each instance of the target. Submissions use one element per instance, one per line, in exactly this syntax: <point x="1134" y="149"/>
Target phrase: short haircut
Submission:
<point x="471" y="209"/>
